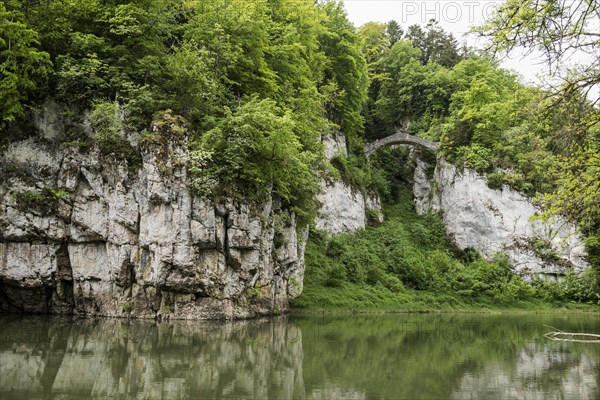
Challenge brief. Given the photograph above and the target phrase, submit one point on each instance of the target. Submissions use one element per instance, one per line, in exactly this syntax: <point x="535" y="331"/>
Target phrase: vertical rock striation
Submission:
<point x="86" y="234"/>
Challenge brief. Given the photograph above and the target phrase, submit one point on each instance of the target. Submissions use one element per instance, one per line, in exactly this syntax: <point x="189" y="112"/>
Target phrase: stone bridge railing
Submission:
<point x="400" y="138"/>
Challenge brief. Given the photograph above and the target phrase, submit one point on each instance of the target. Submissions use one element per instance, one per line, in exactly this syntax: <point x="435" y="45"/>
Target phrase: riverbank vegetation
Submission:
<point x="407" y="264"/>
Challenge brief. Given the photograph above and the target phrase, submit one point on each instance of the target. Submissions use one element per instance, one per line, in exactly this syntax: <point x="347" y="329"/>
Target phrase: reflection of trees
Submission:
<point x="415" y="356"/>
<point x="389" y="356"/>
<point x="540" y="371"/>
<point x="140" y="359"/>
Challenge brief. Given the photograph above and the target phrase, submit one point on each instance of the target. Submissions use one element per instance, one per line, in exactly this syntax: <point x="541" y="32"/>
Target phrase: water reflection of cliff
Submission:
<point x="44" y="358"/>
<point x="361" y="357"/>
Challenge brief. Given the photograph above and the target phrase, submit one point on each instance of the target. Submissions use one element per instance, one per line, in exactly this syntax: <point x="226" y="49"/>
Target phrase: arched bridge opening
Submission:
<point x="401" y="138"/>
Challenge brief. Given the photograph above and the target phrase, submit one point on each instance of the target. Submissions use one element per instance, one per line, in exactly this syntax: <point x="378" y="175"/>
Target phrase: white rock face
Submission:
<point x="334" y="144"/>
<point x="492" y="220"/>
<point x="49" y="120"/>
<point x="423" y="189"/>
<point x="343" y="208"/>
<point x="123" y="241"/>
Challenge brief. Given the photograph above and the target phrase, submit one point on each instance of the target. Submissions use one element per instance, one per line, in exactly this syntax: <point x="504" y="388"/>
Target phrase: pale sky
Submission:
<point x="455" y="16"/>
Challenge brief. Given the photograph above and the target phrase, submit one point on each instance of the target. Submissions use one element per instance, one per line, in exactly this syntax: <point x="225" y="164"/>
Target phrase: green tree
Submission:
<point x="296" y="56"/>
<point x="393" y="32"/>
<point x="578" y="197"/>
<point x="236" y="35"/>
<point x="396" y="105"/>
<point x="106" y="49"/>
<point x="484" y="106"/>
<point x="254" y="151"/>
<point x="376" y="44"/>
<point x="345" y="76"/>
<point x="411" y="86"/>
<point x="23" y="65"/>
<point x="435" y="44"/>
<point x="194" y="87"/>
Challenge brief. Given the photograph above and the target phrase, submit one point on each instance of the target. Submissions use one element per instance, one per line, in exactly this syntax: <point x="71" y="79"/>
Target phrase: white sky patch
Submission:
<point x="454" y="16"/>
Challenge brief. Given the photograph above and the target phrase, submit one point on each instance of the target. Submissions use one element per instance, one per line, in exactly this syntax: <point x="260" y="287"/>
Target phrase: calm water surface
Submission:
<point x="351" y="357"/>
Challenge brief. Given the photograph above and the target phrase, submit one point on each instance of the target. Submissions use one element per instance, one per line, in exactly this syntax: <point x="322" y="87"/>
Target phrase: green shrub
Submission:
<point x="495" y="180"/>
<point x="109" y="132"/>
<point x="513" y="289"/>
<point x="548" y="290"/>
<point x="354" y="171"/>
<point x="584" y="288"/>
<point x="107" y="126"/>
<point x="335" y="248"/>
<point x="336" y="275"/>
<point x="381" y="184"/>
<point x="475" y="156"/>
<point x="468" y="255"/>
<point x="75" y="136"/>
<point x="392" y="282"/>
<point x="44" y="202"/>
<point x="592" y="247"/>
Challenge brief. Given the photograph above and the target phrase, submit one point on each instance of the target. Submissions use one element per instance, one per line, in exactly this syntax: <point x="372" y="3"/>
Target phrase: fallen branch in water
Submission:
<point x="573" y="337"/>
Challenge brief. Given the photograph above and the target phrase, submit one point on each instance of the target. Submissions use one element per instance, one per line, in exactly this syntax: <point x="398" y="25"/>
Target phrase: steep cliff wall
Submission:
<point x="88" y="234"/>
<point x="491" y="220"/>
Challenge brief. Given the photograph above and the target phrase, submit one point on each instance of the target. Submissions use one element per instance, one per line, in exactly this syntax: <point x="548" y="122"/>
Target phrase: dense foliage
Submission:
<point x="257" y="82"/>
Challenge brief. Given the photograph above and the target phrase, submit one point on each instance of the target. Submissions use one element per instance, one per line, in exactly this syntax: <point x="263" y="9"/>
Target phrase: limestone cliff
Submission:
<point x="491" y="220"/>
<point x="89" y="234"/>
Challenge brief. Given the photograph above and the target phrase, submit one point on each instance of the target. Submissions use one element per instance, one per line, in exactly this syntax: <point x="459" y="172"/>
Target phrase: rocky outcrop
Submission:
<point x="93" y="235"/>
<point x="344" y="208"/>
<point x="491" y="220"/>
<point x="334" y="144"/>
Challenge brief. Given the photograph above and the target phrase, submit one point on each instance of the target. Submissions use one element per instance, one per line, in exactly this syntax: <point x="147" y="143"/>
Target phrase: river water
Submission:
<point x="460" y="356"/>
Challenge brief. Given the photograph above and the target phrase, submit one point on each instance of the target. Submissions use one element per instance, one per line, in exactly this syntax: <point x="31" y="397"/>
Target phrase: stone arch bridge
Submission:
<point x="401" y="138"/>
